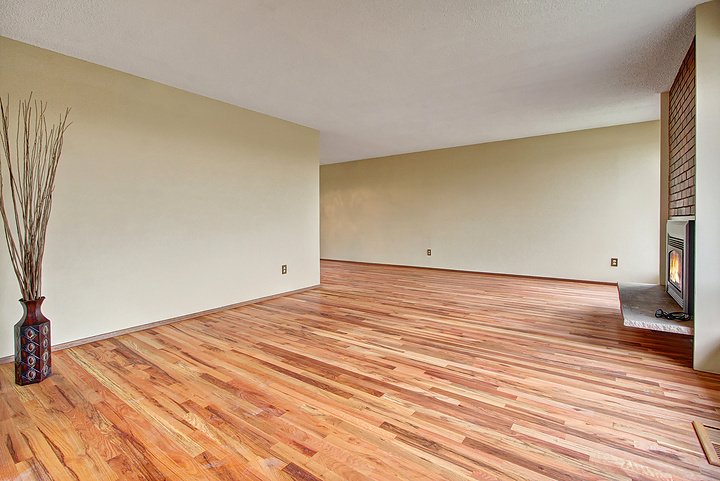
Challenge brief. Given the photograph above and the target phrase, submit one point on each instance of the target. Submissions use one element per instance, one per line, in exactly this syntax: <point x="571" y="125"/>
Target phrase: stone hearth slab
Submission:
<point x="639" y="303"/>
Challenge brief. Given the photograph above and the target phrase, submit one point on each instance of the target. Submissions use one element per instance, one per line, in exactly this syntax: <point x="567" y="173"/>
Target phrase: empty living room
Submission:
<point x="382" y="240"/>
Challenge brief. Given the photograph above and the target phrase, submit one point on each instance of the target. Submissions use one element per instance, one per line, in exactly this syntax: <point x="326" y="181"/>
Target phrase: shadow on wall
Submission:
<point x="712" y="359"/>
<point x="335" y="203"/>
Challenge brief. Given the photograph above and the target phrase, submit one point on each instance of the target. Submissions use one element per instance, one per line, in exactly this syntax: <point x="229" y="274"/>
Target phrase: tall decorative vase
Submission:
<point x="32" y="344"/>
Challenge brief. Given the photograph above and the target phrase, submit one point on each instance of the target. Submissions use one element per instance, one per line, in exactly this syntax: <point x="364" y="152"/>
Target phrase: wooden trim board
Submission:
<point x="709" y="438"/>
<point x="150" y="325"/>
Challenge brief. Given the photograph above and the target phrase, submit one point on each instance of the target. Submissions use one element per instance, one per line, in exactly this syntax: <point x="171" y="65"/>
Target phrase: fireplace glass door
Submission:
<point x="675" y="270"/>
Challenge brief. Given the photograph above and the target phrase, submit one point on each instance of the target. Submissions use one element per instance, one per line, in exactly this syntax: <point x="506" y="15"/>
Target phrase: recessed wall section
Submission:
<point x="558" y="205"/>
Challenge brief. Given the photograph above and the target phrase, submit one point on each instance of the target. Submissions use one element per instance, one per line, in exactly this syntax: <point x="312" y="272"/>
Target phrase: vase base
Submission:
<point x="32" y="353"/>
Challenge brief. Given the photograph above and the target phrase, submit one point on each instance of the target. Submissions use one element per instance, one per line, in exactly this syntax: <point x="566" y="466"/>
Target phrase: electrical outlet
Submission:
<point x="429" y="252"/>
<point x="284" y="269"/>
<point x="613" y="262"/>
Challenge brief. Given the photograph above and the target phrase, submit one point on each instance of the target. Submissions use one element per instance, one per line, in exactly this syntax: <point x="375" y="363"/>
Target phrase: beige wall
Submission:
<point x="707" y="214"/>
<point x="166" y="203"/>
<point x="558" y="205"/>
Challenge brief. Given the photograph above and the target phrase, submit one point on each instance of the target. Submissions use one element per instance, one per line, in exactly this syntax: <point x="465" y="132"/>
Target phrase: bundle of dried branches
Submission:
<point x="30" y="169"/>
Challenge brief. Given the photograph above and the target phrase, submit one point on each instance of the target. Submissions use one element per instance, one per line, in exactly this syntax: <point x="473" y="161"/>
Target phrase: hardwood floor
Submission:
<point x="383" y="373"/>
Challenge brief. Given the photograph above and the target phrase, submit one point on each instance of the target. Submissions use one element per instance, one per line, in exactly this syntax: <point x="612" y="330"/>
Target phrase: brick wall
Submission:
<point x="682" y="138"/>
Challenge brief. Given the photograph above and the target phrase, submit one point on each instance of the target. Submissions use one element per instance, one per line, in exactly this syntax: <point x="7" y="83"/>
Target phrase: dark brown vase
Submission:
<point x="32" y="344"/>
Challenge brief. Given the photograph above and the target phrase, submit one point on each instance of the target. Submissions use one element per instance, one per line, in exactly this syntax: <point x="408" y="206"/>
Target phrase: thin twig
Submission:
<point x="31" y="180"/>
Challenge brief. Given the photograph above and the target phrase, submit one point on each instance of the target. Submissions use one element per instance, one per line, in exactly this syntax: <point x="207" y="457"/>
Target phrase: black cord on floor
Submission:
<point x="676" y="316"/>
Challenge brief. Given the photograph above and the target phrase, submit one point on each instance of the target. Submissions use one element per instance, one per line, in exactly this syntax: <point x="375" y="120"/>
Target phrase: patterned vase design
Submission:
<point x="32" y="344"/>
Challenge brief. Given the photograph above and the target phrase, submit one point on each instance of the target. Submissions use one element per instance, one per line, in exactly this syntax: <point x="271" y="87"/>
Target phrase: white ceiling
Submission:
<point x="381" y="77"/>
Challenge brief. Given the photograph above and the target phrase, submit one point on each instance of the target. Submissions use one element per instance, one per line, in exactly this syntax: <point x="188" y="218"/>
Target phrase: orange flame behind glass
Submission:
<point x="675" y="268"/>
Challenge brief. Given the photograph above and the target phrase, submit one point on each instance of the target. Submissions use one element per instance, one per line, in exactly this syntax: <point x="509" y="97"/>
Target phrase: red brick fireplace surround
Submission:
<point x="682" y="139"/>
